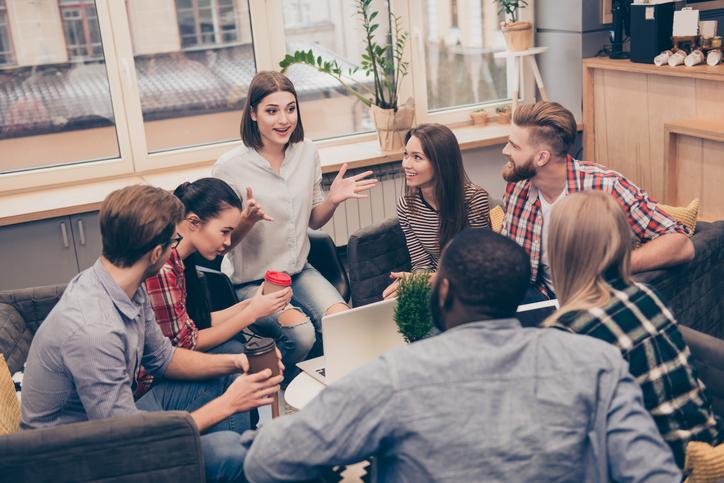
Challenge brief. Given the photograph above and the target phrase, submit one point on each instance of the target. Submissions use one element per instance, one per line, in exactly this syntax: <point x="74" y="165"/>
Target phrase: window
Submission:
<point x="6" y="48"/>
<point x="167" y="86"/>
<point x="460" y="40"/>
<point x="55" y="113"/>
<point x="192" y="97"/>
<point x="331" y="30"/>
<point x="82" y="35"/>
<point x="206" y="22"/>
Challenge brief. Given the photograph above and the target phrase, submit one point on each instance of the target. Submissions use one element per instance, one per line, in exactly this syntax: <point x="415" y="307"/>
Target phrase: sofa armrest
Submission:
<point x="372" y="253"/>
<point x="33" y="304"/>
<point x="148" y="446"/>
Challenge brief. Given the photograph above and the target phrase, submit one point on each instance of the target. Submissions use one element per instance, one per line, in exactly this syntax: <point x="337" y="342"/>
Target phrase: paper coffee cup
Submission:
<point x="275" y="281"/>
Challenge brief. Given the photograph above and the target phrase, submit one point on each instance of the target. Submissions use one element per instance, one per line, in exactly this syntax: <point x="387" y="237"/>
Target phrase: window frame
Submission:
<point x="87" y="45"/>
<point x="198" y="34"/>
<point x="267" y="22"/>
<point x="5" y="14"/>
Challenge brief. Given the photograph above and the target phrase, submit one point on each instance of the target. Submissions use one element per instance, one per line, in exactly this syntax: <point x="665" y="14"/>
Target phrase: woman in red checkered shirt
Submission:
<point x="213" y="210"/>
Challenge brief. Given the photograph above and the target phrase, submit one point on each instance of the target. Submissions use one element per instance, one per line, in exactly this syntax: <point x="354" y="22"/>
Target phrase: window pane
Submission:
<point x="332" y="30"/>
<point x="53" y="111"/>
<point x="460" y="40"/>
<point x="190" y="97"/>
<point x="6" y="49"/>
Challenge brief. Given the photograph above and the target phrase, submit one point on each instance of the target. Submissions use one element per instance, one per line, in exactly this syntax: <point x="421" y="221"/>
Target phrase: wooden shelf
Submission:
<point x="707" y="72"/>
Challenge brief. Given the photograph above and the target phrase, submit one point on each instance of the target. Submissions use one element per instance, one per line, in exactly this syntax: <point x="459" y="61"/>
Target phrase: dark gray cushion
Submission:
<point x="34" y="304"/>
<point x="146" y="447"/>
<point x="707" y="353"/>
<point x="15" y="337"/>
<point x="372" y="253"/>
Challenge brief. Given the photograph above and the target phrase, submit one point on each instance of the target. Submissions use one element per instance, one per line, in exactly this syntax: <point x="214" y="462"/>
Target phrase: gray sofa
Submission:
<point x="694" y="291"/>
<point x="147" y="447"/>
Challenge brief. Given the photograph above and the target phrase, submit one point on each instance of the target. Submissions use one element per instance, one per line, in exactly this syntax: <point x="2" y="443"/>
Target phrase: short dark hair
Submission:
<point x="136" y="219"/>
<point x="263" y="84"/>
<point x="486" y="270"/>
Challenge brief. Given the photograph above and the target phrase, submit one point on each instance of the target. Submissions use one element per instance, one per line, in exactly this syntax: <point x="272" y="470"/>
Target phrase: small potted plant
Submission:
<point x="518" y="35"/>
<point x="479" y="117"/>
<point x="412" y="312"/>
<point x="383" y="63"/>
<point x="504" y="114"/>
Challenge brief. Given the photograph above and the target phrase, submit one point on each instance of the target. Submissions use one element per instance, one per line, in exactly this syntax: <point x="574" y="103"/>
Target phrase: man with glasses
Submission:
<point x="85" y="356"/>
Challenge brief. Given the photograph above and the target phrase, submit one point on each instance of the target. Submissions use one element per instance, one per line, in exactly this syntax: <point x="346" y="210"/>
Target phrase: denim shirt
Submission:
<point x="486" y="401"/>
<point x="84" y="357"/>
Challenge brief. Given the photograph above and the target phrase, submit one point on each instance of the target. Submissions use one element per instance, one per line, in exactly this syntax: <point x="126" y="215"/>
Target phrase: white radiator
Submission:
<point x="381" y="204"/>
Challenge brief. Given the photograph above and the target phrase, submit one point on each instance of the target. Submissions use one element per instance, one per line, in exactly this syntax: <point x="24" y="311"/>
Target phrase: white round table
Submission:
<point x="301" y="390"/>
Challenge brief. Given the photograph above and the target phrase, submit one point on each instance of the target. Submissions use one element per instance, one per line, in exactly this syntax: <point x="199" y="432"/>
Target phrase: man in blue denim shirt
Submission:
<point x="487" y="400"/>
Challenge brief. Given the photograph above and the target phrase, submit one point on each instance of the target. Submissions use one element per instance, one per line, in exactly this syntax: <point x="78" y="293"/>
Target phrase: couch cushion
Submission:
<point x="9" y="405"/>
<point x="34" y="304"/>
<point x="705" y="462"/>
<point x="686" y="215"/>
<point x="15" y="337"/>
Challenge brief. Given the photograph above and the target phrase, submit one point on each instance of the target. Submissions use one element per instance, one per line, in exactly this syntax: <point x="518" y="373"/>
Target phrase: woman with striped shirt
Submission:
<point x="439" y="199"/>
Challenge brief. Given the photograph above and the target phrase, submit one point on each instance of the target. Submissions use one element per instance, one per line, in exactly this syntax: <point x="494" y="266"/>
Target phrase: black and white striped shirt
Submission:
<point x="421" y="224"/>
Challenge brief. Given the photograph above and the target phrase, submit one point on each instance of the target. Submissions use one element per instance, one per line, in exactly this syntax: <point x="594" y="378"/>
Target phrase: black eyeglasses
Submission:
<point x="173" y="242"/>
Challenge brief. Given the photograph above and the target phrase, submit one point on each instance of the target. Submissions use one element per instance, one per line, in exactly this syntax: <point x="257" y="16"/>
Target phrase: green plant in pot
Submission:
<point x="518" y="35"/>
<point x="412" y="311"/>
<point x="383" y="63"/>
<point x="504" y="114"/>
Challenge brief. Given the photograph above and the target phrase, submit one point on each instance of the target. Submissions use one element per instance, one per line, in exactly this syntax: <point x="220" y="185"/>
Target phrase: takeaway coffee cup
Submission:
<point x="275" y="281"/>
<point x="261" y="353"/>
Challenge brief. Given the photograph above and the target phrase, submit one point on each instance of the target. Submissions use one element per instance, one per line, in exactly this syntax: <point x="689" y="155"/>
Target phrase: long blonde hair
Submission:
<point x="589" y="242"/>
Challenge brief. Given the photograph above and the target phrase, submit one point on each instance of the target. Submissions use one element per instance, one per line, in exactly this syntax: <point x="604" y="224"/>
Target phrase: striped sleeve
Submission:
<point x="420" y="258"/>
<point x="477" y="204"/>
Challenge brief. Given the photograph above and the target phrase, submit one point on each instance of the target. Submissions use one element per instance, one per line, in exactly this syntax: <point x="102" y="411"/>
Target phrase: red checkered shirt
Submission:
<point x="167" y="293"/>
<point x="524" y="221"/>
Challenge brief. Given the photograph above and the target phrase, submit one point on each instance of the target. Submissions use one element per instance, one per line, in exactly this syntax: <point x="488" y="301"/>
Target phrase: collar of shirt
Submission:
<point x="492" y="324"/>
<point x="130" y="308"/>
<point x="289" y="156"/>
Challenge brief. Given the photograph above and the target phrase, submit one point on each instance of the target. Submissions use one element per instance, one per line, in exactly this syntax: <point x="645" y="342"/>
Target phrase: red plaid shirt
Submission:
<point x="167" y="293"/>
<point x="524" y="221"/>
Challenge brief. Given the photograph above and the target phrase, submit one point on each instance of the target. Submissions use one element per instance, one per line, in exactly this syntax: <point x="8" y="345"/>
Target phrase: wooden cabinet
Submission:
<point x="626" y="107"/>
<point x="48" y="252"/>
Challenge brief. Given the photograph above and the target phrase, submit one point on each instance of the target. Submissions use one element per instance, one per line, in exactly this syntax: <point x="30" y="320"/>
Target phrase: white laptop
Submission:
<point x="352" y="339"/>
<point x="360" y="335"/>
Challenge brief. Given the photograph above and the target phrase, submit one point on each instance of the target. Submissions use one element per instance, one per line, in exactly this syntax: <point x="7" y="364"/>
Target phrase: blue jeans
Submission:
<point x="221" y="444"/>
<point x="313" y="295"/>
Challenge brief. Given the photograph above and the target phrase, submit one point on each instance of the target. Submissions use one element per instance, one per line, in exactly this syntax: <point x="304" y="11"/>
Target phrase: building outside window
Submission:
<point x="6" y="46"/>
<point x="82" y="34"/>
<point x="207" y="22"/>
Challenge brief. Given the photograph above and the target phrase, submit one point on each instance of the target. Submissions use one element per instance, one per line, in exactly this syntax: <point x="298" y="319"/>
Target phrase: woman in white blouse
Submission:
<point x="278" y="170"/>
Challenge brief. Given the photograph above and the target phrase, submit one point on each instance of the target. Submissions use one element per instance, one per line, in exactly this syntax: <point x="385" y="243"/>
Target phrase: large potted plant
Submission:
<point x="412" y="311"/>
<point x="518" y="35"/>
<point x="383" y="63"/>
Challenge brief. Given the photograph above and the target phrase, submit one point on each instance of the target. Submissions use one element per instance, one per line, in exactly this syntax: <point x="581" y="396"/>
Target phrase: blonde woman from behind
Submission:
<point x="590" y="245"/>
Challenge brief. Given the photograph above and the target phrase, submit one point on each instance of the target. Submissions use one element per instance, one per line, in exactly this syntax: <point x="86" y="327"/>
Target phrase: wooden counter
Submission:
<point x="625" y="108"/>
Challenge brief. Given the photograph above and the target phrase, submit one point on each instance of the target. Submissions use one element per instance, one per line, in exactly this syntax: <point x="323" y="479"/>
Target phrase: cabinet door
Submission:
<point x="37" y="253"/>
<point x="87" y="236"/>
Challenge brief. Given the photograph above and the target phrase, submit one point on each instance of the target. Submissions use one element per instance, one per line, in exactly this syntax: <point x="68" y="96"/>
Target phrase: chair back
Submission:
<point x="219" y="289"/>
<point x="324" y="257"/>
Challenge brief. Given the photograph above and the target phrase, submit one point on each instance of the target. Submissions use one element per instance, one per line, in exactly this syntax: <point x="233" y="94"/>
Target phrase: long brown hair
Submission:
<point x="589" y="244"/>
<point x="441" y="148"/>
<point x="263" y="84"/>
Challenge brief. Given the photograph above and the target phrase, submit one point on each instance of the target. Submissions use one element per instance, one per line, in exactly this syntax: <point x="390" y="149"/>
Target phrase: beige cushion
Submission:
<point x="686" y="215"/>
<point x="705" y="462"/>
<point x="9" y="405"/>
<point x="496" y="219"/>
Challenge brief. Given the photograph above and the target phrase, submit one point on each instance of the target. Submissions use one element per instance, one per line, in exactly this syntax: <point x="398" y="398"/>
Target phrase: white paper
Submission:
<point x="707" y="28"/>
<point x="686" y="22"/>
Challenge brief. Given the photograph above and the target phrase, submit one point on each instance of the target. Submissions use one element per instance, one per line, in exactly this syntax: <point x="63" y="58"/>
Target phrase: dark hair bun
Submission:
<point x="181" y="189"/>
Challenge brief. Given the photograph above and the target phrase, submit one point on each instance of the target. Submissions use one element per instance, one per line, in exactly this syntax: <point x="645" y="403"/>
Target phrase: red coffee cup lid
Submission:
<point x="278" y="278"/>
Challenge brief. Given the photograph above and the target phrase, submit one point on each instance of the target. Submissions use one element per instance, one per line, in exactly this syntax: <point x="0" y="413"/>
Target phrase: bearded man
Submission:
<point x="540" y="172"/>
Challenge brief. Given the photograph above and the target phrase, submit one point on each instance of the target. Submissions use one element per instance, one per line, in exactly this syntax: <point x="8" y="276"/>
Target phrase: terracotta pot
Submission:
<point x="504" y="117"/>
<point x="518" y="35"/>
<point x="393" y="125"/>
<point x="480" y="118"/>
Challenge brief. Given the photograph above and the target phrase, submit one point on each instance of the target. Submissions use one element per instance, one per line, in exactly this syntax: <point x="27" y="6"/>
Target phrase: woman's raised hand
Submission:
<point x="343" y="188"/>
<point x="253" y="211"/>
